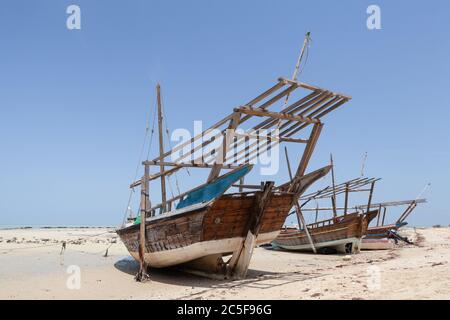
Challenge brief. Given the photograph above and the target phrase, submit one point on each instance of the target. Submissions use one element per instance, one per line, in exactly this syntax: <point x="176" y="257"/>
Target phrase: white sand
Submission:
<point x="31" y="267"/>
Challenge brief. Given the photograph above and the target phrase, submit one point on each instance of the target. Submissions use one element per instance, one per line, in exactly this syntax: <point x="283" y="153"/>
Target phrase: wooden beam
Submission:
<point x="378" y="215"/>
<point x="273" y="138"/>
<point x="240" y="259"/>
<point x="188" y="164"/>
<point x="384" y="216"/>
<point x="298" y="210"/>
<point x="267" y="93"/>
<point x="221" y="156"/>
<point x="346" y="199"/>
<point x="307" y="153"/>
<point x="142" y="275"/>
<point x="333" y="186"/>
<point x="302" y="219"/>
<point x="201" y="186"/>
<point x="407" y="212"/>
<point x="310" y="87"/>
<point x="267" y="124"/>
<point x="247" y="186"/>
<point x="370" y="196"/>
<point x="275" y="115"/>
<point x="320" y="115"/>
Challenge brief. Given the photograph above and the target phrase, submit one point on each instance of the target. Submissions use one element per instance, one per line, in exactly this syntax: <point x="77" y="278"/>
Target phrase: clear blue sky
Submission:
<point x="73" y="104"/>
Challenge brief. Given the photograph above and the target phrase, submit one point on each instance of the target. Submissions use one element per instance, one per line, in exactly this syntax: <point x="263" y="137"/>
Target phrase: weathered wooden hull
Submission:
<point x="210" y="231"/>
<point x="343" y="234"/>
<point x="380" y="231"/>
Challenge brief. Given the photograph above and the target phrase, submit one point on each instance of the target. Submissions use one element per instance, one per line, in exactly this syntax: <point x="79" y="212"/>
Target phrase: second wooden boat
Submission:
<point x="342" y="234"/>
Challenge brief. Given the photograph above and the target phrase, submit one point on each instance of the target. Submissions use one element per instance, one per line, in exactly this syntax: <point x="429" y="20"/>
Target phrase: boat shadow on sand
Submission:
<point x="261" y="279"/>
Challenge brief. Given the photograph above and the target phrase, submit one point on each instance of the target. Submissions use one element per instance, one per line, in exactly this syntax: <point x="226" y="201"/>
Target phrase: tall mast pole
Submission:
<point x="299" y="61"/>
<point x="161" y="149"/>
<point x="334" y="186"/>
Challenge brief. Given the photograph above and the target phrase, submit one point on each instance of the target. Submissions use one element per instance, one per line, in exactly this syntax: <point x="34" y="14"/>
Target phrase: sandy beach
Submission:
<point x="33" y="266"/>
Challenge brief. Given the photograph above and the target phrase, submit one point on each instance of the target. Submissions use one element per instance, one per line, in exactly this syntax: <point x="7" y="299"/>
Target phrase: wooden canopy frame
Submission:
<point x="306" y="111"/>
<point x="360" y="185"/>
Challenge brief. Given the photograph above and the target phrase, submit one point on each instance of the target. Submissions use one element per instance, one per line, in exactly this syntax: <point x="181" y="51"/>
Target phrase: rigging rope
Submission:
<point x="170" y="146"/>
<point x="147" y="127"/>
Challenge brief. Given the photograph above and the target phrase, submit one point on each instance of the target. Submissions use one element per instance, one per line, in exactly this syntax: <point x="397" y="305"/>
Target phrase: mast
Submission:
<point x="161" y="150"/>
<point x="333" y="199"/>
<point x="300" y="57"/>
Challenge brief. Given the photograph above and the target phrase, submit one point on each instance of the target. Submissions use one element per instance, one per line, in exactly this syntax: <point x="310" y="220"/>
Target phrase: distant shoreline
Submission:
<point x="54" y="227"/>
<point x="12" y="227"/>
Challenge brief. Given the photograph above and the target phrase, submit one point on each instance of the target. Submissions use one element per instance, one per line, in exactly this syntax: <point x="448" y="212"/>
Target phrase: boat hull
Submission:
<point x="376" y="244"/>
<point x="342" y="234"/>
<point x="380" y="232"/>
<point x="215" y="230"/>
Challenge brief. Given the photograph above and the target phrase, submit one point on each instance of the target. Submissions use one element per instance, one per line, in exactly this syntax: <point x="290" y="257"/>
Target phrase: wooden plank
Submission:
<point x="189" y="164"/>
<point x="311" y="87"/>
<point x="275" y="115"/>
<point x="305" y="227"/>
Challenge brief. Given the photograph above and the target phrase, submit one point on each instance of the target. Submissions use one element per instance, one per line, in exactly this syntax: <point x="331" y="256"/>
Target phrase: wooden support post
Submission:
<point x="333" y="199"/>
<point x="288" y="163"/>
<point x="161" y="149"/>
<point x="142" y="274"/>
<point x="241" y="184"/>
<point x="379" y="215"/>
<point x="307" y="153"/>
<point x="317" y="213"/>
<point x="298" y="210"/>
<point x="302" y="219"/>
<point x="384" y="216"/>
<point x="370" y="196"/>
<point x="407" y="212"/>
<point x="309" y="149"/>
<point x="346" y="199"/>
<point x="240" y="259"/>
<point x="228" y="138"/>
<point x="333" y="206"/>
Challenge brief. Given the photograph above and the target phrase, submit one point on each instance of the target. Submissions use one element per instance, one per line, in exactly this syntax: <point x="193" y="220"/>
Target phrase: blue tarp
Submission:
<point x="214" y="189"/>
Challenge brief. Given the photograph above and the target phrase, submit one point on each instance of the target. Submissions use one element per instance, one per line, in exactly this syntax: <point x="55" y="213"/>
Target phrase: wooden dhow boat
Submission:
<point x="381" y="229"/>
<point x="341" y="233"/>
<point x="383" y="236"/>
<point x="198" y="227"/>
<point x="207" y="230"/>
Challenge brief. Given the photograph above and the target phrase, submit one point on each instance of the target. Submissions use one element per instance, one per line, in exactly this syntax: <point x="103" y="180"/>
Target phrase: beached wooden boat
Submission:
<point x="196" y="229"/>
<point x="200" y="234"/>
<point x="342" y="234"/>
<point x="381" y="230"/>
